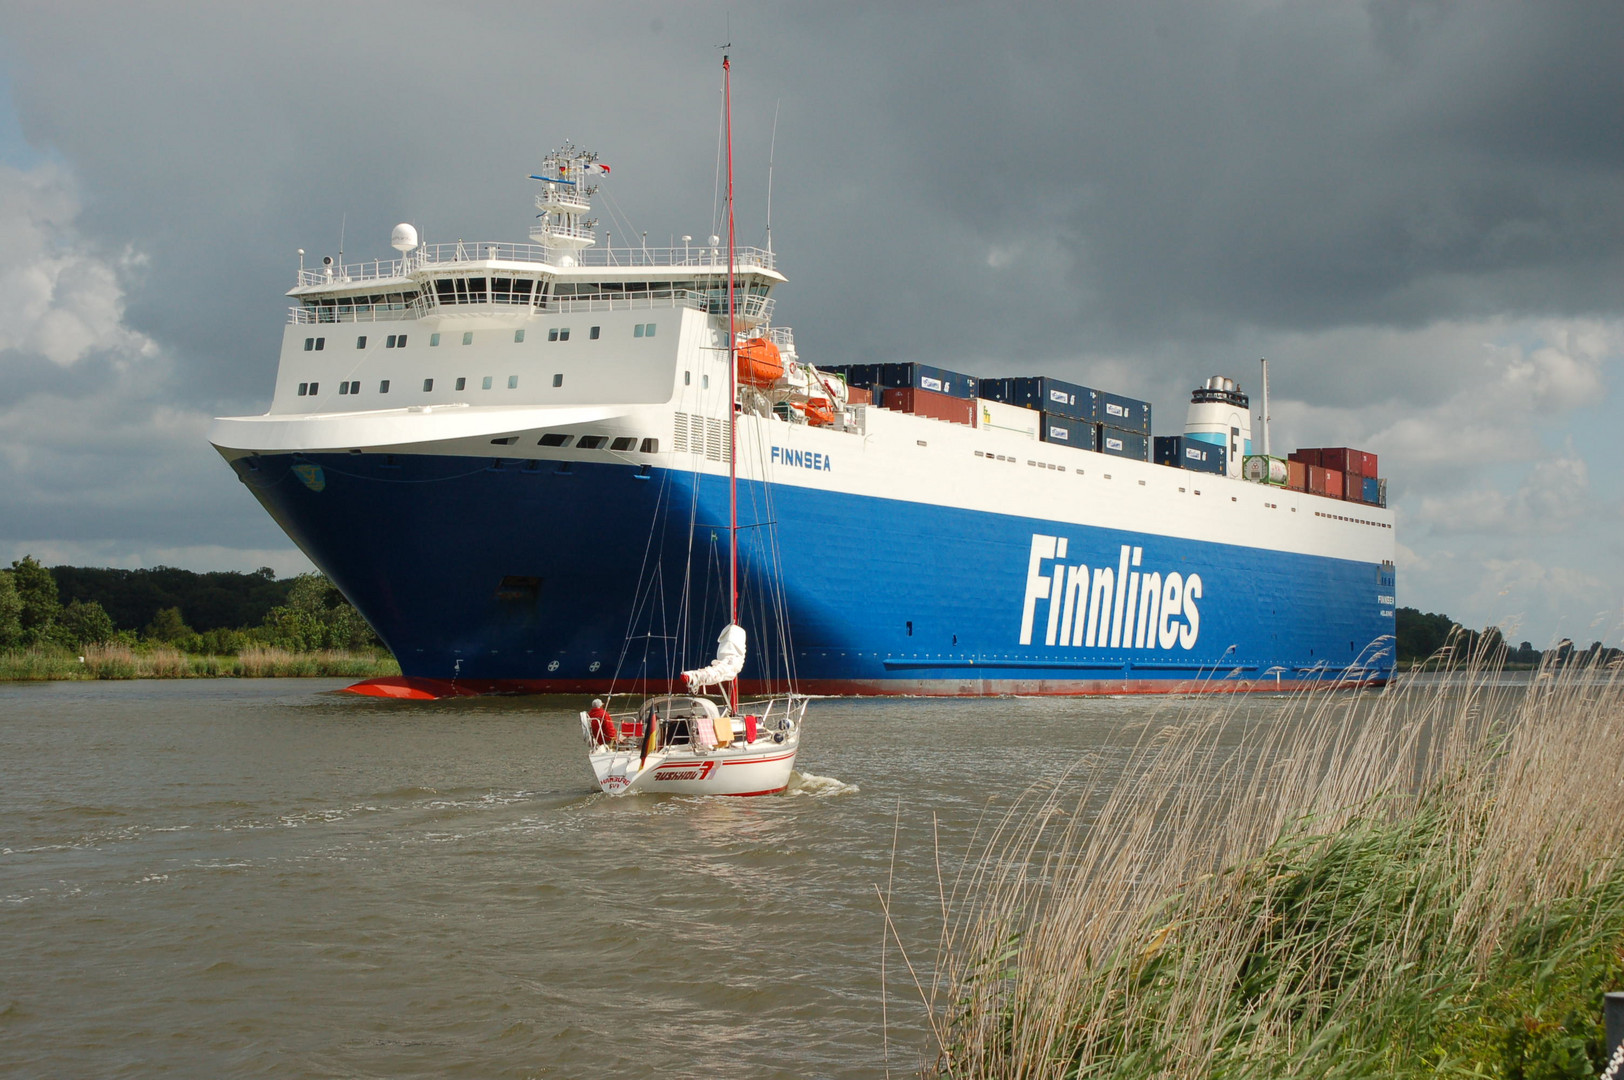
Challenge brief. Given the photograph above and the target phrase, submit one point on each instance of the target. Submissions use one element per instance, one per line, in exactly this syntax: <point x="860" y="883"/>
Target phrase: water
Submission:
<point x="264" y="878"/>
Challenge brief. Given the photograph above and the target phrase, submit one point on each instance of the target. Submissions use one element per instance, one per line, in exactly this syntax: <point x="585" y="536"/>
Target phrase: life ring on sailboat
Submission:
<point x="760" y="363"/>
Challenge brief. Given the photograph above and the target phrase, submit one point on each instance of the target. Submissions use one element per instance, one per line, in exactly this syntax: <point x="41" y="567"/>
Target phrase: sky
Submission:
<point x="1415" y="210"/>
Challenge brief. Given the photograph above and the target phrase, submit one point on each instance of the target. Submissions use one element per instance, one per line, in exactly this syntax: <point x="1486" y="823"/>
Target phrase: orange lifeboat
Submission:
<point x="818" y="412"/>
<point x="760" y="363"/>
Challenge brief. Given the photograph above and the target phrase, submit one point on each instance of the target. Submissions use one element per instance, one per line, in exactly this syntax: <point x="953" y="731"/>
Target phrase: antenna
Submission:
<point x="771" y="150"/>
<point x="1265" y="364"/>
<point x="342" y="221"/>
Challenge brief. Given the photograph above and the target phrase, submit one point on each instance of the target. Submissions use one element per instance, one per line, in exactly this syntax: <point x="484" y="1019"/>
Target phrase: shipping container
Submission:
<point x="1353" y="487"/>
<point x="1335" y="482"/>
<point x="1192" y="454"/>
<point x="858" y="395"/>
<point x="1296" y="475"/>
<point x="1264" y="470"/>
<point x="1127" y="444"/>
<point x="1370" y="486"/>
<point x="1368" y="465"/>
<point x="1307" y="455"/>
<point x="1316" y="480"/>
<point x="924" y="377"/>
<point x="1045" y="395"/>
<point x="997" y="416"/>
<point x="1126" y="413"/>
<point x="910" y="399"/>
<point x="1335" y="458"/>
<point x="1064" y="431"/>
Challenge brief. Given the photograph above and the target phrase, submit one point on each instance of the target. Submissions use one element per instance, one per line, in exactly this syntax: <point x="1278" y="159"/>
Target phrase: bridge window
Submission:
<point x="625" y="442"/>
<point x="591" y="442"/>
<point x="554" y="438"/>
<point x="651" y="446"/>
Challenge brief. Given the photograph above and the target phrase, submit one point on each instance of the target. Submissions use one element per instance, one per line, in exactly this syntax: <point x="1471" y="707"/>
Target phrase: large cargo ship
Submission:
<point x="513" y="459"/>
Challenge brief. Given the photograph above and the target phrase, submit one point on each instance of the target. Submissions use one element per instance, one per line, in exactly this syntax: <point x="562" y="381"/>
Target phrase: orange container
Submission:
<point x="1335" y="483"/>
<point x="1296" y="475"/>
<point x="1316" y="480"/>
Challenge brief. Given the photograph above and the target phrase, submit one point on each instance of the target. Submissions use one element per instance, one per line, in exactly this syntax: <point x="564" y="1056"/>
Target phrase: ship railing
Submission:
<point x="751" y="309"/>
<point x="606" y="255"/>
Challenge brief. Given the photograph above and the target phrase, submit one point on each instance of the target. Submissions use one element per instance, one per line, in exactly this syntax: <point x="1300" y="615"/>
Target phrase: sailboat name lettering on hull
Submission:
<point x="803" y="459"/>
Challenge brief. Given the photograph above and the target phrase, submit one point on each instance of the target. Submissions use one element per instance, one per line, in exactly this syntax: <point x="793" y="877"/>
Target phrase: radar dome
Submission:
<point x="404" y="238"/>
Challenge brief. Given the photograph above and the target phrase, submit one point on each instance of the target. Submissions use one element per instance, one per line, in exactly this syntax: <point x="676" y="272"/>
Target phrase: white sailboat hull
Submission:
<point x="752" y="770"/>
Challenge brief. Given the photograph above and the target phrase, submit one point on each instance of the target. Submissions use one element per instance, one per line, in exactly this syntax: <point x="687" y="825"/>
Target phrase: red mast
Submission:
<point x="732" y="386"/>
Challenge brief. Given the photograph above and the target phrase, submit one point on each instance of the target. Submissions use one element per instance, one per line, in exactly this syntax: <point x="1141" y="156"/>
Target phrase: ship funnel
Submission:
<point x="1221" y="414"/>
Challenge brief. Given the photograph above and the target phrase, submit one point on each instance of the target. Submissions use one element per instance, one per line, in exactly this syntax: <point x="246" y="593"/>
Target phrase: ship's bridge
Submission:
<point x="439" y="281"/>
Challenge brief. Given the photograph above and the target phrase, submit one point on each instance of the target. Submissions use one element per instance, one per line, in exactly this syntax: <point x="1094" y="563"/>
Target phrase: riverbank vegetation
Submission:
<point x="1423" y="881"/>
<point x="300" y="626"/>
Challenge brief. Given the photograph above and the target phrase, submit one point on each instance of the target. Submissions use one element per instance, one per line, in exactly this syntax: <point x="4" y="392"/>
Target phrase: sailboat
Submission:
<point x="694" y="743"/>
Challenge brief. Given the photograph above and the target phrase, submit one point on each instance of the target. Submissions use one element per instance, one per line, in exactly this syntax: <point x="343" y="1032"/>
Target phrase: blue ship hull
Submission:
<point x="545" y="576"/>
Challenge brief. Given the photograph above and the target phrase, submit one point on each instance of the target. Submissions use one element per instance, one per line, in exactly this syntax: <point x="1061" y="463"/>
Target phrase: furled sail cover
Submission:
<point x="727" y="665"/>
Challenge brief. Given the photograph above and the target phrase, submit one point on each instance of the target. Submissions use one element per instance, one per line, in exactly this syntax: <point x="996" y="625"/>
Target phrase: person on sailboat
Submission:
<point x="603" y="726"/>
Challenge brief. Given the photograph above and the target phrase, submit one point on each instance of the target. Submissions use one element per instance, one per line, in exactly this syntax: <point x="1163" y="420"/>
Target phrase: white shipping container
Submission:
<point x="1001" y="417"/>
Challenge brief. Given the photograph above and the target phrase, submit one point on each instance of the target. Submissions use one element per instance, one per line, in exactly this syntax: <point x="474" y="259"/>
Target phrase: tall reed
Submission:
<point x="1424" y="880"/>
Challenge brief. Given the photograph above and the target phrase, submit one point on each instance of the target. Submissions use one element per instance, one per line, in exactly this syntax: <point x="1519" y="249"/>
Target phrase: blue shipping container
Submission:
<point x="1064" y="431"/>
<point x="924" y="377"/>
<point x="1045" y="395"/>
<point x="1193" y="454"/>
<point x="1372" y="492"/>
<point x="1128" y="444"/>
<point x="1129" y="414"/>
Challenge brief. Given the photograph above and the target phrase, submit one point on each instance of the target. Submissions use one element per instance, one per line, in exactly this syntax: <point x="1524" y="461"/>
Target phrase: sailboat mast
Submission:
<point x="732" y="383"/>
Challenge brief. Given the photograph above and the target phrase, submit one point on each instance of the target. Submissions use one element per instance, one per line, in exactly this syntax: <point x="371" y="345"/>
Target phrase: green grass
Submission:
<point x="123" y="662"/>
<point x="1421" y="882"/>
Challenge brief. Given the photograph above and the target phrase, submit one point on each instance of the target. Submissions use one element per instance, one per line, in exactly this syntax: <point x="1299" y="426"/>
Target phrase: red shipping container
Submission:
<point x="1339" y="458"/>
<point x="1369" y="466"/>
<point x="1334" y="483"/>
<point x="1296" y="475"/>
<point x="911" y="399"/>
<point x="1353" y="487"/>
<point x="1307" y="457"/>
<point x="1316" y="480"/>
<point x="858" y="395"/>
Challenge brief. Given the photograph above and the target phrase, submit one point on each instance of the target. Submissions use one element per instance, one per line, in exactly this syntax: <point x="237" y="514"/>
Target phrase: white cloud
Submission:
<point x="58" y="296"/>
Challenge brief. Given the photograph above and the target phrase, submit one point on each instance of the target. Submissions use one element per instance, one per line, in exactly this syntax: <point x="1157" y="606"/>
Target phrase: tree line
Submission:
<point x="69" y="607"/>
<point x="1420" y="635"/>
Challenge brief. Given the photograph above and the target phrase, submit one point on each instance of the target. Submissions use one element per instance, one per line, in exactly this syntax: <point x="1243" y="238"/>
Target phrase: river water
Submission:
<point x="267" y="878"/>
